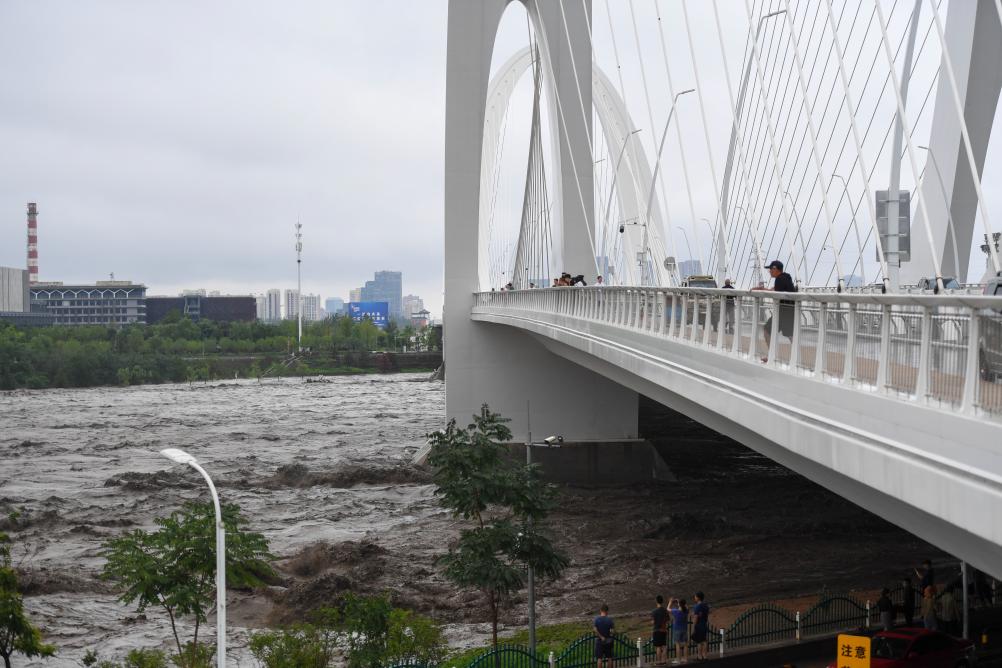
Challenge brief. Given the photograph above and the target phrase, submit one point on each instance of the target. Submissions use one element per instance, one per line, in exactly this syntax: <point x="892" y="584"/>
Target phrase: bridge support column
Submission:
<point x="497" y="365"/>
<point x="974" y="38"/>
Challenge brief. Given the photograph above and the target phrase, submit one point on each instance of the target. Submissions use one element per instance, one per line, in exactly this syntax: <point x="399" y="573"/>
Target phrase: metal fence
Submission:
<point x="939" y="349"/>
<point x="761" y="625"/>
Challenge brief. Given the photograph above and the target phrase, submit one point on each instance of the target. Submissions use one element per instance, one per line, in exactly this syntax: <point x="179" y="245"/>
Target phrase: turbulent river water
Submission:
<point x="324" y="470"/>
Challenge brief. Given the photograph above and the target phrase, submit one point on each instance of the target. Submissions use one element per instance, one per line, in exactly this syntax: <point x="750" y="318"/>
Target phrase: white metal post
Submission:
<point x="182" y="457"/>
<point x="896" y="85"/>
<point x="972" y="378"/>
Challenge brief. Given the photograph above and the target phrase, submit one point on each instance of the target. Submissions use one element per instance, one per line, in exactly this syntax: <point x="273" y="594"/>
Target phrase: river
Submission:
<point x="324" y="470"/>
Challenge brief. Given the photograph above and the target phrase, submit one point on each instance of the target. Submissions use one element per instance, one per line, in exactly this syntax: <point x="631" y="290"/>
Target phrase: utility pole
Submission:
<point x="893" y="248"/>
<point x="299" y="281"/>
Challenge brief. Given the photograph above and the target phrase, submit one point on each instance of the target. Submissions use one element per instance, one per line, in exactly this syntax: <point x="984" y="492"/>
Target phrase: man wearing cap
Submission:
<point x="783" y="283"/>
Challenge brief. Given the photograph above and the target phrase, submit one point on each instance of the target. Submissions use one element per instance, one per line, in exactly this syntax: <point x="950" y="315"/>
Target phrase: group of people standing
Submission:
<point x="674" y="618"/>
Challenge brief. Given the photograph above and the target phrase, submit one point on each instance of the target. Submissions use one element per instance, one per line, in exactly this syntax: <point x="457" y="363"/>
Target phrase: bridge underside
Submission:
<point x="915" y="466"/>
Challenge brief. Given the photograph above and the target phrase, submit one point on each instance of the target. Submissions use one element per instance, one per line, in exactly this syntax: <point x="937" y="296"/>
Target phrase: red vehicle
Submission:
<point x="919" y="648"/>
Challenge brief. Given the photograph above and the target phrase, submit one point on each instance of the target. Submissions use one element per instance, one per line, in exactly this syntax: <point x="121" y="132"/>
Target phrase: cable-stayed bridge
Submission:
<point x="645" y="141"/>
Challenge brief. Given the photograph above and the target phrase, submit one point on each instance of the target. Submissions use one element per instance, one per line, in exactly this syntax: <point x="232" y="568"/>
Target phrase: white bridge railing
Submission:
<point x="938" y="349"/>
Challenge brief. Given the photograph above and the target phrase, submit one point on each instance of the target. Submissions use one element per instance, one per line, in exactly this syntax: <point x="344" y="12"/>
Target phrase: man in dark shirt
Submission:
<point x="729" y="308"/>
<point x="783" y="283"/>
<point x="701" y="626"/>
<point x="659" y="633"/>
<point x="927" y="577"/>
<point x="604" y="628"/>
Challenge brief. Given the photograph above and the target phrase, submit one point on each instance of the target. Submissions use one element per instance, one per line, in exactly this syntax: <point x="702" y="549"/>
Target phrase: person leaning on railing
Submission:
<point x="783" y="282"/>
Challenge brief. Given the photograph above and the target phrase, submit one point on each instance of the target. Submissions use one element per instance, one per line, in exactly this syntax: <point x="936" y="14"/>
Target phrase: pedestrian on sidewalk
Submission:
<point x="604" y="630"/>
<point x="679" y="629"/>
<point x="886" y="609"/>
<point x="949" y="613"/>
<point x="908" y="601"/>
<point x="927" y="576"/>
<point x="701" y="626"/>
<point x="659" y="631"/>
<point x="929" y="609"/>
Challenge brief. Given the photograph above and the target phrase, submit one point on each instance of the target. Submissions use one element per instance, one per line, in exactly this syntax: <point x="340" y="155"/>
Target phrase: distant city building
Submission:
<point x="311" y="308"/>
<point x="101" y="303"/>
<point x="273" y="305"/>
<point x="334" y="306"/>
<point x="411" y="305"/>
<point x="228" y="308"/>
<point x="291" y="304"/>
<point x="386" y="286"/>
<point x="355" y="295"/>
<point x="14" y="296"/>
<point x="260" y="306"/>
<point x="690" y="268"/>
<point x="15" y="300"/>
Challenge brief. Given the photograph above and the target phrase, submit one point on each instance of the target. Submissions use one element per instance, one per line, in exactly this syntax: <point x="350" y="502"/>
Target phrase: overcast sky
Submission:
<point x="176" y="143"/>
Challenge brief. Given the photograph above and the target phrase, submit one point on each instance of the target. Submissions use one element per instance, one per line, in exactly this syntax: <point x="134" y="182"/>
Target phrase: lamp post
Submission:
<point x="615" y="176"/>
<point x="182" y="457"/>
<point x="549" y="442"/>
<point x="855" y="227"/>
<point x="713" y="242"/>
<point x="657" y="166"/>
<point x="738" y="112"/>
<point x="949" y="214"/>
<point x="686" y="236"/>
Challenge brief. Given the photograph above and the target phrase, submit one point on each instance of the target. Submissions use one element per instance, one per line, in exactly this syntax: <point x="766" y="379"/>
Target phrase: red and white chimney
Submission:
<point x="32" y="243"/>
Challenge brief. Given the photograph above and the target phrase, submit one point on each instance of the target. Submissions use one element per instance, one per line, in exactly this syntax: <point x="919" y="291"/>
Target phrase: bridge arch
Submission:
<point x="496" y="365"/>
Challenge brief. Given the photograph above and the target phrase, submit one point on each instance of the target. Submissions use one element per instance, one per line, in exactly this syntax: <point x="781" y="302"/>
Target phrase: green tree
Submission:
<point x="300" y="646"/>
<point x="17" y="634"/>
<point x="174" y="567"/>
<point x="505" y="504"/>
<point x="370" y="630"/>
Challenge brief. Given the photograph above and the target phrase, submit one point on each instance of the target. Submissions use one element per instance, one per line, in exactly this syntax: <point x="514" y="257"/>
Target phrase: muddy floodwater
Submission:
<point x="324" y="470"/>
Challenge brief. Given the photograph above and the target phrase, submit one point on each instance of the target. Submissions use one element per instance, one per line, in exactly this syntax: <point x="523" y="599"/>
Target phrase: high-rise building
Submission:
<point x="387" y="286"/>
<point x="273" y="305"/>
<point x="311" y="307"/>
<point x="411" y="305"/>
<point x="334" y="306"/>
<point x="355" y="295"/>
<point x="260" y="306"/>
<point x="291" y="304"/>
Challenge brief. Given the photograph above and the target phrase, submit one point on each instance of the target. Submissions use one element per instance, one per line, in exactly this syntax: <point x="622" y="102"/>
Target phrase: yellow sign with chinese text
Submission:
<point x="853" y="652"/>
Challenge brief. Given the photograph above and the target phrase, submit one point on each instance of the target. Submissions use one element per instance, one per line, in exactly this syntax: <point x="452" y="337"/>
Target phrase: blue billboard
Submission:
<point x="377" y="312"/>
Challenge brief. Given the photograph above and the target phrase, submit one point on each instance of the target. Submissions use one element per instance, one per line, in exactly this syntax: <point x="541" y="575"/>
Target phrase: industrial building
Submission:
<point x="196" y="307"/>
<point x="113" y="303"/>
<point x="15" y="300"/>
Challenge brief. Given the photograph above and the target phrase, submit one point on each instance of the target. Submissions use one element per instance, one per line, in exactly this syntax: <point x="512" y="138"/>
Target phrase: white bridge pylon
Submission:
<point x="632" y="173"/>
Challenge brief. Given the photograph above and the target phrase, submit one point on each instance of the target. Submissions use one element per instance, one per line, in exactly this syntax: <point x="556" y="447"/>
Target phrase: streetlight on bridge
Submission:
<point x="657" y="168"/>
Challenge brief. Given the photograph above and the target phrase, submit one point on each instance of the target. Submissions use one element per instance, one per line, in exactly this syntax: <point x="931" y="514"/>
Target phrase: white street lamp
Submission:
<point x="182" y="457"/>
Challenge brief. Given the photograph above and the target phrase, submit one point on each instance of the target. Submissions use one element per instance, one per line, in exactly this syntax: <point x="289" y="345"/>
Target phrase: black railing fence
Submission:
<point x="762" y="625"/>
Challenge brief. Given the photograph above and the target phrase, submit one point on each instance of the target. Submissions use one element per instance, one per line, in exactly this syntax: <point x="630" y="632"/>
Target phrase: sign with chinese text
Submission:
<point x="377" y="312"/>
<point x="853" y="652"/>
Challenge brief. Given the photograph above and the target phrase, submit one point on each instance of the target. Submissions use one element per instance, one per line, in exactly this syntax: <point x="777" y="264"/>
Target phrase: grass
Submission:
<point x="551" y="638"/>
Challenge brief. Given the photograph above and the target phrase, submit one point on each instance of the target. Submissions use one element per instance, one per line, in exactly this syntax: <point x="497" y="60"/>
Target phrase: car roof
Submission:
<point x="904" y="633"/>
